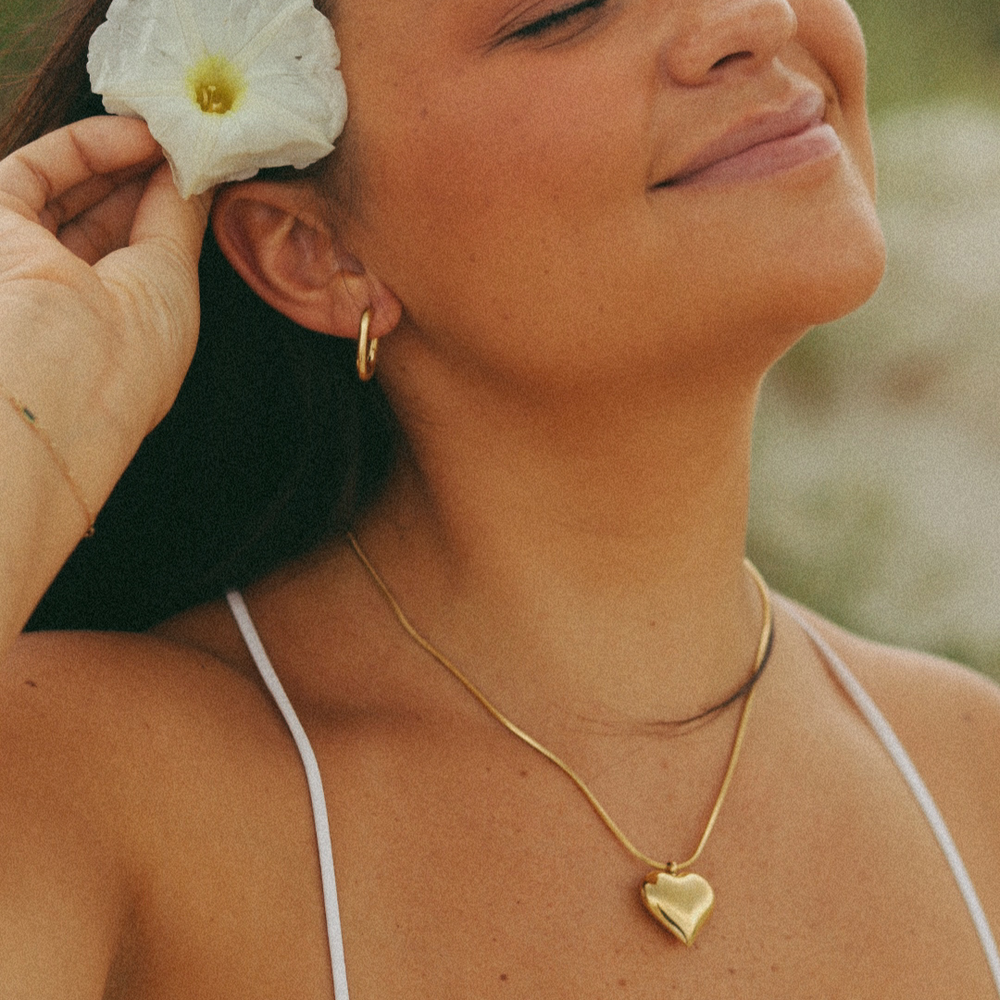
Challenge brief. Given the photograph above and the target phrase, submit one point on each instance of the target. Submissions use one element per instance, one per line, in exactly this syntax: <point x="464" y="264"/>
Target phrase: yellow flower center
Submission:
<point x="216" y="85"/>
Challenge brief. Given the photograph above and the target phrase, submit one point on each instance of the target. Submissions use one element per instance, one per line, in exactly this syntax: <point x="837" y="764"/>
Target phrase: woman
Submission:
<point x="581" y="235"/>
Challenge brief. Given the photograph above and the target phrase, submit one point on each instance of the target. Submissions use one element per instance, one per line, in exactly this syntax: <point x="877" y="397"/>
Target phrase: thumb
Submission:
<point x="166" y="221"/>
<point x="155" y="282"/>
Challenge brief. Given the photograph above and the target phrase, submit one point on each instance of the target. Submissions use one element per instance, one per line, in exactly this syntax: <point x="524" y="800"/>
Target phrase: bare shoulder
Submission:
<point x="82" y="713"/>
<point x="78" y="684"/>
<point x="97" y="717"/>
<point x="933" y="702"/>
<point x="948" y="719"/>
<point x="107" y="741"/>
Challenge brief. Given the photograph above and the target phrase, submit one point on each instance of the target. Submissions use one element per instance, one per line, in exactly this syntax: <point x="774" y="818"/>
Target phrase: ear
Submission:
<point x="277" y="238"/>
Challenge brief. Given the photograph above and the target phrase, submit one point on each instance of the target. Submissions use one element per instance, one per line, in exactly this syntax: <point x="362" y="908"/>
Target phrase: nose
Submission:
<point x="722" y="36"/>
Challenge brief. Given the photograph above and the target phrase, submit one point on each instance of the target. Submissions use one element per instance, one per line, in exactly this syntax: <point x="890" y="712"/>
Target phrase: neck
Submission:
<point x="584" y="560"/>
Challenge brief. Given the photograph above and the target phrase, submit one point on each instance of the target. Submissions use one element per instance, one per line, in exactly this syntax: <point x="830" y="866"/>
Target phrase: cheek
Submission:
<point x="830" y="30"/>
<point x="487" y="172"/>
<point x="493" y="213"/>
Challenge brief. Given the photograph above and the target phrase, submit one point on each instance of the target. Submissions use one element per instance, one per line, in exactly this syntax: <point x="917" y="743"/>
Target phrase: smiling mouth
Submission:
<point x="766" y="145"/>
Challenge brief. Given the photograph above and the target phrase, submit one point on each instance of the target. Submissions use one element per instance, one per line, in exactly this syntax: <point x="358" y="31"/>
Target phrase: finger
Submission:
<point x="106" y="226"/>
<point x="157" y="274"/>
<point x="155" y="283"/>
<point x="166" y="221"/>
<point x="62" y="211"/>
<point x="46" y="169"/>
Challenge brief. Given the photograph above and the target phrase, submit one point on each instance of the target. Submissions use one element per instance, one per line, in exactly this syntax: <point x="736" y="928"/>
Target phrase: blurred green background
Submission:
<point x="877" y="455"/>
<point x="23" y="36"/>
<point x="876" y="488"/>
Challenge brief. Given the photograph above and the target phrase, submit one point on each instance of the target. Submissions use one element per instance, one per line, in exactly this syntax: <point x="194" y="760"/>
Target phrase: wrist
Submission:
<point x="30" y="418"/>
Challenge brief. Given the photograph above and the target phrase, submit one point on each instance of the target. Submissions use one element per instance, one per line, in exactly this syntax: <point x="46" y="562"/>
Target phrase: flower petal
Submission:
<point x="148" y="59"/>
<point x="187" y="22"/>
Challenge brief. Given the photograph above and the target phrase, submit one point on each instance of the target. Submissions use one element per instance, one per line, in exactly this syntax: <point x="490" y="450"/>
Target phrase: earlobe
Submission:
<point x="277" y="239"/>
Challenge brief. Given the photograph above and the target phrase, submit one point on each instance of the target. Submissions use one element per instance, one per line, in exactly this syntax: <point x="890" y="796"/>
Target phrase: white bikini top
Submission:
<point x="847" y="681"/>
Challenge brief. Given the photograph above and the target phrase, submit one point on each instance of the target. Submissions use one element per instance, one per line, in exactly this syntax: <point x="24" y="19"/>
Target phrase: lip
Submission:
<point x="763" y="145"/>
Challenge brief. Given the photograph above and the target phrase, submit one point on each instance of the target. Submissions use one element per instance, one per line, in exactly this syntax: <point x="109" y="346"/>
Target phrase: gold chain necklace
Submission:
<point x="681" y="903"/>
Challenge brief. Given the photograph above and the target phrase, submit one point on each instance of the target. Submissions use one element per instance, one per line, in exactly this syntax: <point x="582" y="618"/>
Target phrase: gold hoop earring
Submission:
<point x="367" y="349"/>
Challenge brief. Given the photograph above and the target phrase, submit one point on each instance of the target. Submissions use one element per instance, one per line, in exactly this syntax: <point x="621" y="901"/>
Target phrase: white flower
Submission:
<point x="226" y="86"/>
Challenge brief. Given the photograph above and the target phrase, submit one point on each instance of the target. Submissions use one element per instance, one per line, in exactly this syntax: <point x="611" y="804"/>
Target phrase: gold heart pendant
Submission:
<point x="682" y="903"/>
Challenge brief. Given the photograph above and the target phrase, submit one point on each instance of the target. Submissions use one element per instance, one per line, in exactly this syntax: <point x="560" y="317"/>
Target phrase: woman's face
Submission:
<point x="518" y="165"/>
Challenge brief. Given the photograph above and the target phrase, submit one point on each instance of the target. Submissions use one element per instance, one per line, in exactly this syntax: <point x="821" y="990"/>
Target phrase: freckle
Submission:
<point x="622" y="983"/>
<point x="652" y="624"/>
<point x="523" y="773"/>
<point x="31" y="684"/>
<point x="731" y="971"/>
<point x="423" y="112"/>
<point x="775" y="967"/>
<point x="503" y="977"/>
<point x="967" y="717"/>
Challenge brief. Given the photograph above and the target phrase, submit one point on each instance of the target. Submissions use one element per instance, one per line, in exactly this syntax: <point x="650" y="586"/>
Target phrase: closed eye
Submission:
<point x="557" y="19"/>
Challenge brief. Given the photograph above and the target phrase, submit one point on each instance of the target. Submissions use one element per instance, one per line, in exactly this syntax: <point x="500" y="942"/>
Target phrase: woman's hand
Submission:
<point x="98" y="274"/>
<point x="99" y="314"/>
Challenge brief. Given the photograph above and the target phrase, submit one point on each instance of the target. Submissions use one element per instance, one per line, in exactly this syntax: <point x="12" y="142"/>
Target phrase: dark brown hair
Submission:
<point x="272" y="444"/>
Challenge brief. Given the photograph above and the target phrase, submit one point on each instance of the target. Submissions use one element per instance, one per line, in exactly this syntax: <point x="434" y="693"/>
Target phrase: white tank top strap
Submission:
<point x="847" y="680"/>
<point x="316" y="796"/>
<point x="901" y="759"/>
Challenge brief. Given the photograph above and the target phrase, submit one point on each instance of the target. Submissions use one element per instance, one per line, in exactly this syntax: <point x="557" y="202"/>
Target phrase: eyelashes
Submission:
<point x="557" y="19"/>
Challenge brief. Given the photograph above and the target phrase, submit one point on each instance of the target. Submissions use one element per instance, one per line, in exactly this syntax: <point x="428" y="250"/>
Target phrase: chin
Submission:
<point x="825" y="260"/>
<point x="803" y="277"/>
<point x="839" y="275"/>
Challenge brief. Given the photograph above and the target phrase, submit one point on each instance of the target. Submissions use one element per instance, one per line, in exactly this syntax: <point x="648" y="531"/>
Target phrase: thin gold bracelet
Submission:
<point x="29" y="417"/>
